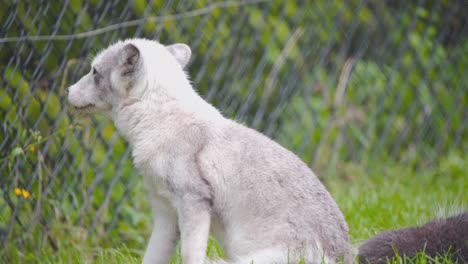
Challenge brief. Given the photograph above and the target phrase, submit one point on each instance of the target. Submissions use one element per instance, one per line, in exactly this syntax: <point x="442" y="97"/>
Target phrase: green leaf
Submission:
<point x="16" y="151"/>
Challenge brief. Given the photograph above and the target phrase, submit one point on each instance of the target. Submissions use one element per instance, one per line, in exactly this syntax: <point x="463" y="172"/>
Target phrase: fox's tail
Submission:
<point x="436" y="238"/>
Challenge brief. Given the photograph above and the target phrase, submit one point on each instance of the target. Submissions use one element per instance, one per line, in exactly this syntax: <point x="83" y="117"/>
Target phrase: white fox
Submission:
<point x="206" y="173"/>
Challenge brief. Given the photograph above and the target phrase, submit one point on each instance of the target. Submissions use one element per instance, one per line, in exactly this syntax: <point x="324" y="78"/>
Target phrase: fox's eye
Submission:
<point x="96" y="75"/>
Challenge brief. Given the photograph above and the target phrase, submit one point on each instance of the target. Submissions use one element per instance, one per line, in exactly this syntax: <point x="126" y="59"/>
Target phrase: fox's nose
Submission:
<point x="67" y="90"/>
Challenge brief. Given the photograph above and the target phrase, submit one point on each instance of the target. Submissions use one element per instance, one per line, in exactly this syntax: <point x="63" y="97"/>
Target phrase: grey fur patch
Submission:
<point x="434" y="238"/>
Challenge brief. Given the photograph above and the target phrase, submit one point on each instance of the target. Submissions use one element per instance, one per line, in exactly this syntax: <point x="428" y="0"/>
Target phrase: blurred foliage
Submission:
<point x="342" y="83"/>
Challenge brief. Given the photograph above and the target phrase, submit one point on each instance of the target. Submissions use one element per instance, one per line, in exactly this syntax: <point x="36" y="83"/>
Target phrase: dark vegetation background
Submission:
<point x="347" y="85"/>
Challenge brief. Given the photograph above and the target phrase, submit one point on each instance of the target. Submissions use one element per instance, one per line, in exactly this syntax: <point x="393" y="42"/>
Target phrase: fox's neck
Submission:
<point x="161" y="113"/>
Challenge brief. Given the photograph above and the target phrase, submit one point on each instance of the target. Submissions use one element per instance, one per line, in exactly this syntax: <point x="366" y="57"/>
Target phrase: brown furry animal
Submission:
<point x="434" y="238"/>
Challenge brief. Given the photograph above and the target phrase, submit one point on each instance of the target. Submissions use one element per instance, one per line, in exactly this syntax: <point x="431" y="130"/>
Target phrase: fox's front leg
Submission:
<point x="164" y="237"/>
<point x="194" y="223"/>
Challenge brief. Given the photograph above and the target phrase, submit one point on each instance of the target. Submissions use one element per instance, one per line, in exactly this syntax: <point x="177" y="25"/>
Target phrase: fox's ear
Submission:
<point x="129" y="59"/>
<point x="181" y="52"/>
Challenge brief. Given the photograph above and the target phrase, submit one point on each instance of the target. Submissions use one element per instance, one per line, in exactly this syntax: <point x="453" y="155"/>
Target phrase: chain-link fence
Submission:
<point x="338" y="82"/>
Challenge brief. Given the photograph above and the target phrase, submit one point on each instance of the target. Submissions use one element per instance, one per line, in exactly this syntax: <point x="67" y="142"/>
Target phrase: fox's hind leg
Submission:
<point x="266" y="256"/>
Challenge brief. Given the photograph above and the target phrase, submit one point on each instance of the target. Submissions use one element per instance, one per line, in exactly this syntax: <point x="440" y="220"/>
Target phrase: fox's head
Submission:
<point x="121" y="73"/>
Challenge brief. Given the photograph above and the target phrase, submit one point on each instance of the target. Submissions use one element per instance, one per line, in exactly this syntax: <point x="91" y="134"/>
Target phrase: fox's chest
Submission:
<point x="154" y="170"/>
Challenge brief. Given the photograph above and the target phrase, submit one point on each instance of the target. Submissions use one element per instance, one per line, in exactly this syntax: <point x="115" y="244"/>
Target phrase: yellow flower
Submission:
<point x="19" y="191"/>
<point x="31" y="148"/>
<point x="25" y="193"/>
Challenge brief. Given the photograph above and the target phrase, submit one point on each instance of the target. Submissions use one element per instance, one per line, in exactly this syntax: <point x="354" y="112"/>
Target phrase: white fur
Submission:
<point x="205" y="172"/>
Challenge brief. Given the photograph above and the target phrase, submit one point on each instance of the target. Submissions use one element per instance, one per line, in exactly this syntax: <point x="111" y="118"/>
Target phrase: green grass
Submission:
<point x="380" y="197"/>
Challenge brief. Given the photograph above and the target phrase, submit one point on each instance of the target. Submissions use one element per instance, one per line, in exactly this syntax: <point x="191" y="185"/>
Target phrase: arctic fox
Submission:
<point x="206" y="173"/>
<point x="437" y="237"/>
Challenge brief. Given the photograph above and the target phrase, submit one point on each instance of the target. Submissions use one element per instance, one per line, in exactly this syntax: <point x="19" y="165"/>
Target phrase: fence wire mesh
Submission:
<point x="338" y="82"/>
